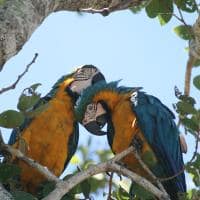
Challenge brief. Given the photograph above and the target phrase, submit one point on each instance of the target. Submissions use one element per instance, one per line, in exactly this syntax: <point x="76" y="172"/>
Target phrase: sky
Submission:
<point x="126" y="46"/>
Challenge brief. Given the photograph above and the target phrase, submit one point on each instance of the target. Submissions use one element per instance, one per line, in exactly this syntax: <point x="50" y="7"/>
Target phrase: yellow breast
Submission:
<point x="47" y="139"/>
<point x="126" y="128"/>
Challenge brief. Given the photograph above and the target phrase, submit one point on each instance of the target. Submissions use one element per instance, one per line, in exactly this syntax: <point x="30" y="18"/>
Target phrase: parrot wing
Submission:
<point x="157" y="124"/>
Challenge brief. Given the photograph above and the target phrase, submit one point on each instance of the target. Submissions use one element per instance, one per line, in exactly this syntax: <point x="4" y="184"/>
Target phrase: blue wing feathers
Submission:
<point x="157" y="123"/>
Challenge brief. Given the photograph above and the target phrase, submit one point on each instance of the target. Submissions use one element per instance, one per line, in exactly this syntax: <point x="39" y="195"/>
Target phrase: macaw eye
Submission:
<point x="92" y="107"/>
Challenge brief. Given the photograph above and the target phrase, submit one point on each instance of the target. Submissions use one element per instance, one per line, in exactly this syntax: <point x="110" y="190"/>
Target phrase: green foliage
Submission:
<point x="197" y="63"/>
<point x="11" y="119"/>
<point x="2" y="2"/>
<point x="184" y="32"/>
<point x="185" y="108"/>
<point x="8" y="171"/>
<point x="27" y="101"/>
<point x="120" y="194"/>
<point x="140" y="192"/>
<point x="194" y="170"/>
<point x="137" y="9"/>
<point x="186" y="5"/>
<point x="161" y="9"/>
<point x="196" y="82"/>
<point x="20" y="195"/>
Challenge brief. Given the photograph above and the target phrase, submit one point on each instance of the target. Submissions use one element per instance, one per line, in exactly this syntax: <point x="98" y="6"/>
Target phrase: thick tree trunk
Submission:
<point x="19" y="19"/>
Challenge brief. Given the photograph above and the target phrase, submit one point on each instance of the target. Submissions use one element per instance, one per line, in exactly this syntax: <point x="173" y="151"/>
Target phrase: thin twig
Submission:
<point x="122" y="154"/>
<point x="181" y="16"/>
<point x="110" y="186"/>
<point x="20" y="76"/>
<point x="114" y="6"/>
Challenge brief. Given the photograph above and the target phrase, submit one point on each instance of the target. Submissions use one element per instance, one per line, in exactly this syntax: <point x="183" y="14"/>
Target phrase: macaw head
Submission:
<point x="84" y="77"/>
<point x="77" y="81"/>
<point x="97" y="103"/>
<point x="95" y="117"/>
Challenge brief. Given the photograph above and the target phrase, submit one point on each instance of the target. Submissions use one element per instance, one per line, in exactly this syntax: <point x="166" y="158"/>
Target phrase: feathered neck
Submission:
<point x="61" y="84"/>
<point x="109" y="93"/>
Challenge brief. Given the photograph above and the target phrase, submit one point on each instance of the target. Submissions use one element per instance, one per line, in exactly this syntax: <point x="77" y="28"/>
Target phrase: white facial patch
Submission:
<point x="134" y="98"/>
<point x="85" y="73"/>
<point x="90" y="113"/>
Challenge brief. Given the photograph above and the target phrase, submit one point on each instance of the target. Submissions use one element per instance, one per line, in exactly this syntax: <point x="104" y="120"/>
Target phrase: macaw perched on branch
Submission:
<point x="136" y="118"/>
<point x="52" y="136"/>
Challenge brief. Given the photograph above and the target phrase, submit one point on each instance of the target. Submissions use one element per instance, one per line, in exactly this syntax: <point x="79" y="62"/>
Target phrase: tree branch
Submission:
<point x="19" y="19"/>
<point x="4" y="194"/>
<point x="188" y="74"/>
<point x="194" y="54"/>
<point x="110" y="186"/>
<point x="15" y="152"/>
<point x="20" y="76"/>
<point x="64" y="187"/>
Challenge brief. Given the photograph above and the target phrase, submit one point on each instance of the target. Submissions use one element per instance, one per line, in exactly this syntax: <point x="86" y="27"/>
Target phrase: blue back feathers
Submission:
<point x="157" y="123"/>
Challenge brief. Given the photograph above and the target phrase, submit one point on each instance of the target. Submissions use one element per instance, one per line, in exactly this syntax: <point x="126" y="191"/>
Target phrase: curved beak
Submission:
<point x="94" y="128"/>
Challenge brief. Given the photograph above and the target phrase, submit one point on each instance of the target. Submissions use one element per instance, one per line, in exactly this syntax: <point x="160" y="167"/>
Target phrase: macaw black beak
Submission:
<point x="94" y="128"/>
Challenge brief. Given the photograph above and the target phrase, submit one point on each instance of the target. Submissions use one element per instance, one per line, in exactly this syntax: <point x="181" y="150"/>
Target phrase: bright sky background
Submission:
<point x="123" y="46"/>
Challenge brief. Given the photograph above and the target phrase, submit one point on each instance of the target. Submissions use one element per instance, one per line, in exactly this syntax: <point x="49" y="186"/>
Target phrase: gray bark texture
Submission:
<point x="19" y="19"/>
<point x="4" y="195"/>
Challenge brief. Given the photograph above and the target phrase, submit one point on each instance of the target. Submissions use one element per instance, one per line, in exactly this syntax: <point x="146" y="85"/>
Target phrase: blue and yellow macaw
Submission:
<point x="136" y="118"/>
<point x="52" y="136"/>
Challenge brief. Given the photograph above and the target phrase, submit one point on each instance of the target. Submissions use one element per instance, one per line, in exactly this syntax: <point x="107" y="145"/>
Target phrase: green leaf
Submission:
<point x="86" y="188"/>
<point x="152" y="9"/>
<point x="20" y="195"/>
<point x="165" y="11"/>
<point x="35" y="86"/>
<point x="121" y="194"/>
<point x="2" y="2"/>
<point x="37" y="111"/>
<point x="185" y="108"/>
<point x="184" y="32"/>
<point x="190" y="123"/>
<point x="186" y="5"/>
<point x="8" y="171"/>
<point x="11" y="119"/>
<point x="161" y="9"/>
<point x="196" y="82"/>
<point x="197" y="63"/>
<point x="140" y="192"/>
<point x="27" y="102"/>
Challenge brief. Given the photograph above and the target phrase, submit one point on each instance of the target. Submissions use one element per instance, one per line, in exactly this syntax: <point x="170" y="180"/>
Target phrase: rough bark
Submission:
<point x="4" y="194"/>
<point x="19" y="19"/>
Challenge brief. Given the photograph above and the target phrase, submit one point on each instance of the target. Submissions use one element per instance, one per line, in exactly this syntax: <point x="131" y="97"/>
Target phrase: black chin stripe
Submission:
<point x="98" y="77"/>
